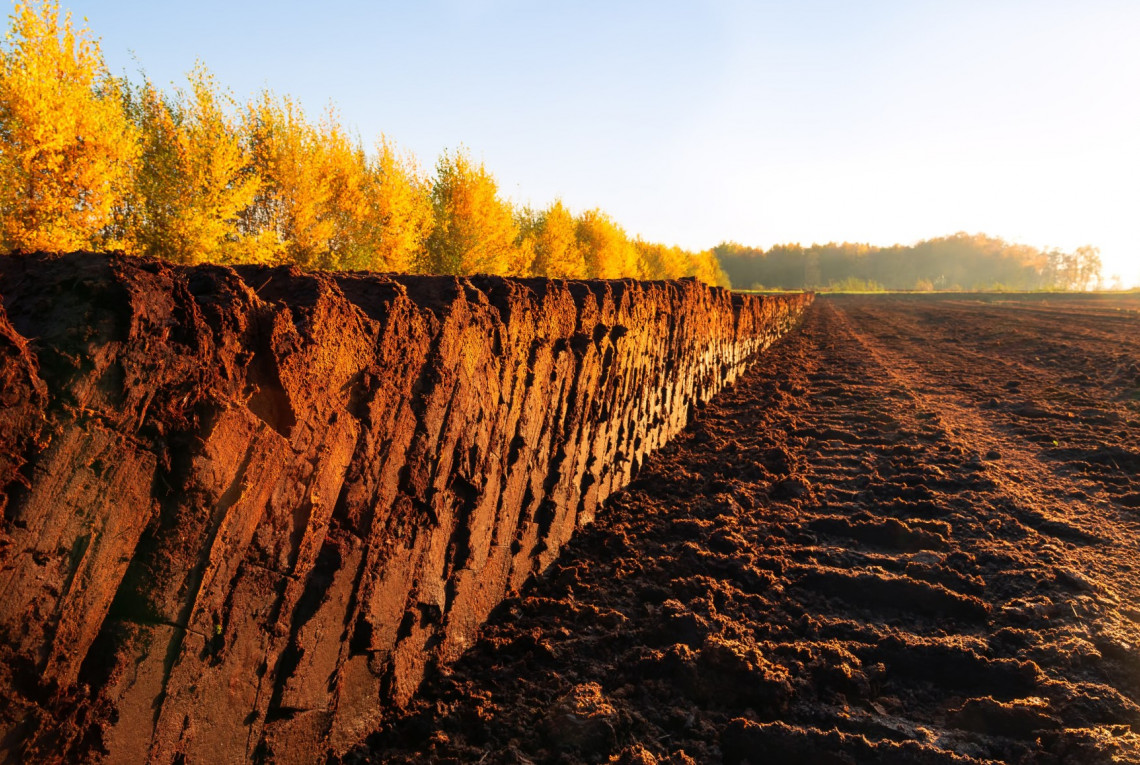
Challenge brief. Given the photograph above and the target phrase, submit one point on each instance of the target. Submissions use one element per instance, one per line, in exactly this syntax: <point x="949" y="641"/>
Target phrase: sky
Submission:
<point x="693" y="123"/>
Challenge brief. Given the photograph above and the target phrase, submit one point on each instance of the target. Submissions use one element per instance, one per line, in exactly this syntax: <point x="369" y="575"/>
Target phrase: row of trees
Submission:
<point x="958" y="262"/>
<point x="90" y="161"/>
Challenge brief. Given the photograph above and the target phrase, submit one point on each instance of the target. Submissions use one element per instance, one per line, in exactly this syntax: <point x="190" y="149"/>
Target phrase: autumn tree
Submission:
<point x="279" y="138"/>
<point x="66" y="147"/>
<point x="658" y="261"/>
<point x="607" y="251"/>
<point x="706" y="267"/>
<point x="1088" y="268"/>
<point x="475" y="230"/>
<point x="194" y="177"/>
<point x="92" y="162"/>
<point x="522" y="257"/>
<point x="556" y="251"/>
<point x="313" y="201"/>
<point x="401" y="213"/>
<point x="352" y="184"/>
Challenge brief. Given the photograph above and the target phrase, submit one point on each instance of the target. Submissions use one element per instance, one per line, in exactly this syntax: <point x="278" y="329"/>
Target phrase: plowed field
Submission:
<point x="911" y="534"/>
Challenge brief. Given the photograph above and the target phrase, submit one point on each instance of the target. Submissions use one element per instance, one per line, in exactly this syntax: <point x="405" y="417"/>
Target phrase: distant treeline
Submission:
<point x="958" y="262"/>
<point x="91" y="161"/>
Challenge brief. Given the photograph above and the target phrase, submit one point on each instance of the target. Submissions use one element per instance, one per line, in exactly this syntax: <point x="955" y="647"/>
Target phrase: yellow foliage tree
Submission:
<point x="289" y="216"/>
<point x="88" y="161"/>
<point x="66" y="147"/>
<point x="194" y="177"/>
<point x="657" y="261"/>
<point x="607" y="251"/>
<point x="401" y="213"/>
<point x="475" y="230"/>
<point x="319" y="194"/>
<point x="556" y="250"/>
<point x="351" y="183"/>
<point x="522" y="258"/>
<point x="706" y="267"/>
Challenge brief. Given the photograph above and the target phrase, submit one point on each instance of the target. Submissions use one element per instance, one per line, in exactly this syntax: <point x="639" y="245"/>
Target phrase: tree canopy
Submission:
<point x="959" y="262"/>
<point x="94" y="162"/>
<point x="67" y="150"/>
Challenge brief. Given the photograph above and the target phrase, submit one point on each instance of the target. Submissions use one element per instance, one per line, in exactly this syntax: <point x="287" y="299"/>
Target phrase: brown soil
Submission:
<point x="242" y="510"/>
<point x="910" y="535"/>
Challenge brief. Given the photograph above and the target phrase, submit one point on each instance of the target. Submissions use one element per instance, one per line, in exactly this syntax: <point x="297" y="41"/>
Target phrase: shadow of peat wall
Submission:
<point x="245" y="508"/>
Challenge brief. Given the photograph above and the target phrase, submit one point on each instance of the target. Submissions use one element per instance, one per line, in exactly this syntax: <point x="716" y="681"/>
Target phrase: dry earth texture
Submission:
<point x="245" y="509"/>
<point x="910" y="535"/>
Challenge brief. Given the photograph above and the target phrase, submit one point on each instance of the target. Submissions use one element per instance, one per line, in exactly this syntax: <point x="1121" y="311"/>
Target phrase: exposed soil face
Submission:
<point x="912" y="534"/>
<point x="242" y="510"/>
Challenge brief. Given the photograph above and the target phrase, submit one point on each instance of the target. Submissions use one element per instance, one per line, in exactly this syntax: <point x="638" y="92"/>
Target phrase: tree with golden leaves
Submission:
<point x="475" y="230"/>
<point x="526" y="224"/>
<point x="522" y="261"/>
<point x="289" y="216"/>
<point x="319" y="197"/>
<point x="706" y="267"/>
<point x="66" y="147"/>
<point x="557" y="253"/>
<point x="607" y="251"/>
<point x="352" y="188"/>
<point x="400" y="214"/>
<point x="194" y="177"/>
<point x="657" y="261"/>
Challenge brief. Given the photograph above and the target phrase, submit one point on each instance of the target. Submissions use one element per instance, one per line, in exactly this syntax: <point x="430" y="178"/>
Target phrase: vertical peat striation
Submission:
<point x="244" y="509"/>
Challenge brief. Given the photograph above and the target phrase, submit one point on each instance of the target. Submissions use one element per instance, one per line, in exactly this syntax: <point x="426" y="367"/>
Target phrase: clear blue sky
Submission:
<point x="696" y="122"/>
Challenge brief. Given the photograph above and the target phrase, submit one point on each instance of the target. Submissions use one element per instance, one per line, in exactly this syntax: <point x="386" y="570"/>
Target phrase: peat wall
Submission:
<point x="245" y="508"/>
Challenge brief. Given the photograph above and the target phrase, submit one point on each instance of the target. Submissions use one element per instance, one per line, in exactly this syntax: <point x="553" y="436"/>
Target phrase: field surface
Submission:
<point x="911" y="534"/>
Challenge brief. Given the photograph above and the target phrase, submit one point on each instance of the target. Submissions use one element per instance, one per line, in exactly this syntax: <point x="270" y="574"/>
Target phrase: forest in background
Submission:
<point x="93" y="161"/>
<point x="969" y="262"/>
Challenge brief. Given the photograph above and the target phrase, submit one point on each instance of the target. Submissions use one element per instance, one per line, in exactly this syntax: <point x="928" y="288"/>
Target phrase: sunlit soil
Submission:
<point x="911" y="534"/>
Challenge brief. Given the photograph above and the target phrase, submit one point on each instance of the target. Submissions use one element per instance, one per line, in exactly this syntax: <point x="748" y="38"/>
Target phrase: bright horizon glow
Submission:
<point x="694" y="123"/>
